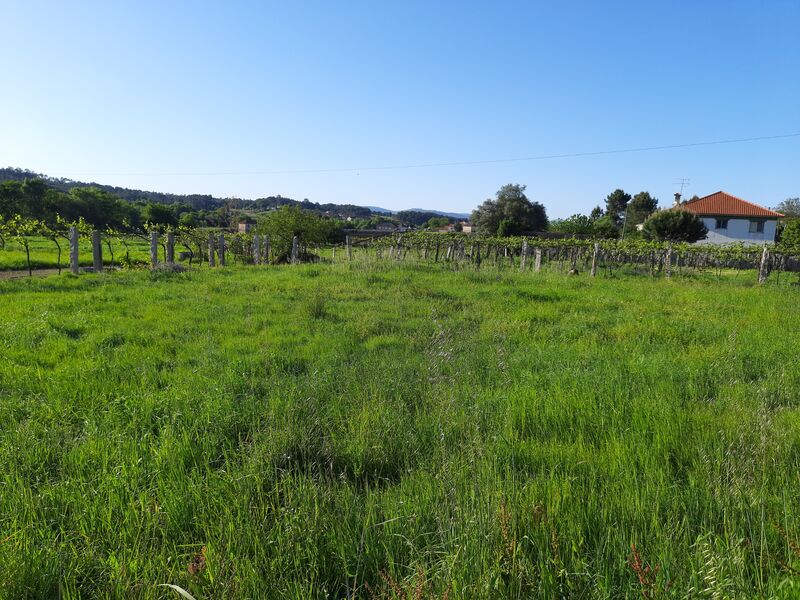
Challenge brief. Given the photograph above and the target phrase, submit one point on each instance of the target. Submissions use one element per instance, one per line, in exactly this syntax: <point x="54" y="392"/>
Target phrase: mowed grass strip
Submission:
<point x="380" y="430"/>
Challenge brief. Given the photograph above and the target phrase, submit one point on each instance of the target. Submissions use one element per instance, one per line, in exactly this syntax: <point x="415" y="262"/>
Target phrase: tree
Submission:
<point x="790" y="238"/>
<point x="576" y="224"/>
<point x="674" y="225"/>
<point x="510" y="204"/>
<point x="596" y="213"/>
<point x="605" y="227"/>
<point x="642" y="206"/>
<point x="101" y="209"/>
<point x="160" y="214"/>
<point x="288" y="221"/>
<point x="507" y="228"/>
<point x="616" y="203"/>
<point x="437" y="222"/>
<point x="789" y="207"/>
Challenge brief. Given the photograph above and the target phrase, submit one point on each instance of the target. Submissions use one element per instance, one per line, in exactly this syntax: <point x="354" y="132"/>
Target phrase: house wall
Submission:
<point x="738" y="231"/>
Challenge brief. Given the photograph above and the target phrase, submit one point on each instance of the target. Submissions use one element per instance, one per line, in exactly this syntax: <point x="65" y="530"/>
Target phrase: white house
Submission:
<point x="731" y="219"/>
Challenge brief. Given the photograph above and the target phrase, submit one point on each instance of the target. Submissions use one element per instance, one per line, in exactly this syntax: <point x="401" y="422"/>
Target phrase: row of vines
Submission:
<point x="197" y="246"/>
<point x="573" y="254"/>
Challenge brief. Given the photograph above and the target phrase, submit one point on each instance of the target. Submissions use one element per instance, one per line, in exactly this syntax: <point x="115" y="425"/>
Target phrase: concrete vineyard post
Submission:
<point x="221" y="250"/>
<point x="170" y="248"/>
<point x="349" y="243"/>
<point x="295" y="242"/>
<point x="73" y="250"/>
<point x="668" y="261"/>
<point x="153" y="249"/>
<point x="267" y="248"/>
<point x="523" y="254"/>
<point x="595" y="254"/>
<point x="762" y="267"/>
<point x="211" y="261"/>
<point x="256" y="249"/>
<point x="537" y="260"/>
<point x="97" y="252"/>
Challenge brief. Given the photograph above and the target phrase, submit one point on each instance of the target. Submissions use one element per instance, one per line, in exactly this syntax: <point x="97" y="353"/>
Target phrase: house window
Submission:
<point x="756" y="226"/>
<point x="722" y="224"/>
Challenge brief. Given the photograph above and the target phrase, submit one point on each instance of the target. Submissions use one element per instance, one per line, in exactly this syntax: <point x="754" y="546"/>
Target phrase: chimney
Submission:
<point x="677" y="199"/>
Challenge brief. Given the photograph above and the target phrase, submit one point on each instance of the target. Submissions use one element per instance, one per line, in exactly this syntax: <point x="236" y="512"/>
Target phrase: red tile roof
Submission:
<point x="722" y="204"/>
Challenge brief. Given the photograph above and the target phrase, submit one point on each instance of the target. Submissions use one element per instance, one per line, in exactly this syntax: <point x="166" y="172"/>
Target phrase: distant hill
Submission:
<point x="427" y="211"/>
<point x="196" y="201"/>
<point x="453" y="215"/>
<point x="416" y="216"/>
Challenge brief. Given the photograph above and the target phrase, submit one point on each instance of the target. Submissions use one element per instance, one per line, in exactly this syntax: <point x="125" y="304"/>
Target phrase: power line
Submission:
<point x="479" y="162"/>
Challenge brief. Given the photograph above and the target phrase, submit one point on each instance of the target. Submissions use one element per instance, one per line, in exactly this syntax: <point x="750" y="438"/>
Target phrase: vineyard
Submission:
<point x="30" y="244"/>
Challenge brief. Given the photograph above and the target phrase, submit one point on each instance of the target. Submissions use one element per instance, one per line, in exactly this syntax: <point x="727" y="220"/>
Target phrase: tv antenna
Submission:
<point x="683" y="182"/>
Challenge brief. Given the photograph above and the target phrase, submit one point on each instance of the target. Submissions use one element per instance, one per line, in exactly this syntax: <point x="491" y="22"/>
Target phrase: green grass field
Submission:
<point x="375" y="431"/>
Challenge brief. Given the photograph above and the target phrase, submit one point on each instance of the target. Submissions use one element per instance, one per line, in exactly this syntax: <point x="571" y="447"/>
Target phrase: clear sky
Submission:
<point x="226" y="97"/>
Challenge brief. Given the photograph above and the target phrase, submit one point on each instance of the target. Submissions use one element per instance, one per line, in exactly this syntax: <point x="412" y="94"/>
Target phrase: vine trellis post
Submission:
<point x="73" y="250"/>
<point x="97" y="252"/>
<point x="170" y="248"/>
<point x="211" y="260"/>
<point x="763" y="267"/>
<point x="267" y="248"/>
<point x="153" y="249"/>
<point x="668" y="261"/>
<point x="256" y="249"/>
<point x="221" y="250"/>
<point x="523" y="254"/>
<point x="595" y="256"/>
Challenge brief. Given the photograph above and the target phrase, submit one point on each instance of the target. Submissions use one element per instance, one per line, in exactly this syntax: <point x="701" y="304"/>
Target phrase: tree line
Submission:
<point x="509" y="213"/>
<point x="512" y="213"/>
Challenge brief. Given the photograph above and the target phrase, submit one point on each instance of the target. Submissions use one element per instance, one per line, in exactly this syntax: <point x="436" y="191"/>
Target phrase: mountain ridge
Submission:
<point x="196" y="201"/>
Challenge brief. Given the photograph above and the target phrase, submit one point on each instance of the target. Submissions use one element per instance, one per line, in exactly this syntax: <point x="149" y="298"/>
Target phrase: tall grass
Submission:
<point x="385" y="431"/>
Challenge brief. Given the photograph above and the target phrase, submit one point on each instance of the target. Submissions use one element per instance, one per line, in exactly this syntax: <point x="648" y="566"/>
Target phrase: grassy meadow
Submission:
<point x="398" y="431"/>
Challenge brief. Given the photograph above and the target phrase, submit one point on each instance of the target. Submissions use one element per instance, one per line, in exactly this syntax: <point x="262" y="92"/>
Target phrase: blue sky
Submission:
<point x="226" y="97"/>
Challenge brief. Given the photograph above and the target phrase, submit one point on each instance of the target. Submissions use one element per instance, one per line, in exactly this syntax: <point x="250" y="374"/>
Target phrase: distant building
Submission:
<point x="386" y="226"/>
<point x="731" y="219"/>
<point x="466" y="227"/>
<point x="246" y="227"/>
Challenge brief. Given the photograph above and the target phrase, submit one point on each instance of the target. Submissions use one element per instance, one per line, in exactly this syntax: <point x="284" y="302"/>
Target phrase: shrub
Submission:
<point x="674" y="225"/>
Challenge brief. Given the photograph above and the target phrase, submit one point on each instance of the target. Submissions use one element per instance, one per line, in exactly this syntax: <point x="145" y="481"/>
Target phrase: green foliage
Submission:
<point x="789" y="207"/>
<point x="642" y="206"/>
<point x="160" y="214"/>
<point x="510" y="204"/>
<point x="616" y="203"/>
<point x="790" y="238"/>
<point x="675" y="225"/>
<point x="605" y="227"/>
<point x="576" y="224"/>
<point x="289" y="221"/>
<point x="507" y="228"/>
<point x="437" y="222"/>
<point x="420" y="218"/>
